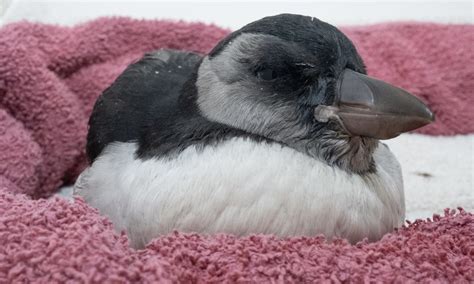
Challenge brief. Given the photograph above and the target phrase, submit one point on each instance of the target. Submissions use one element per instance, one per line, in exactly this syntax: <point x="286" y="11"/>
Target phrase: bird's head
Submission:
<point x="299" y="81"/>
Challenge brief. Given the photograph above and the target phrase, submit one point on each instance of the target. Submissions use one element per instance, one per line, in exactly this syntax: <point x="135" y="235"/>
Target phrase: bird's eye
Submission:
<point x="266" y="74"/>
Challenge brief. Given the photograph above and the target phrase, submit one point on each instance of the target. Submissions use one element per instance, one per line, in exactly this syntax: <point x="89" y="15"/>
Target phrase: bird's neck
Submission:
<point x="352" y="154"/>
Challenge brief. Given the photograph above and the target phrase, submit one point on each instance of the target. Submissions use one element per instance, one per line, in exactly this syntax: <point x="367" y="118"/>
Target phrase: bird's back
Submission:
<point x="144" y="90"/>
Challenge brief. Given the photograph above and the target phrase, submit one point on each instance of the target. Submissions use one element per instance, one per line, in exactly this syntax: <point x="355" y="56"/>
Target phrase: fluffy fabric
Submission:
<point x="49" y="79"/>
<point x="57" y="240"/>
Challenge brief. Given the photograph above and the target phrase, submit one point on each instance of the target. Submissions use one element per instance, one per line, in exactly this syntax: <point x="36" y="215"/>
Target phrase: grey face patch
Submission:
<point x="230" y="94"/>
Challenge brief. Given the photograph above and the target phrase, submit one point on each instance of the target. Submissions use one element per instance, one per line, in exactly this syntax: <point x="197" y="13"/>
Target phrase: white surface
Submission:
<point x="236" y="14"/>
<point x="438" y="172"/>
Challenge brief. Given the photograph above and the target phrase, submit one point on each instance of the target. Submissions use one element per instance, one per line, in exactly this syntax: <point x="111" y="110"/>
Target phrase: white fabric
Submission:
<point x="438" y="172"/>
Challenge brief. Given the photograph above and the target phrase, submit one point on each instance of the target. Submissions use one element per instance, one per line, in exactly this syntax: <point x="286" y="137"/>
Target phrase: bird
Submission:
<point x="277" y="130"/>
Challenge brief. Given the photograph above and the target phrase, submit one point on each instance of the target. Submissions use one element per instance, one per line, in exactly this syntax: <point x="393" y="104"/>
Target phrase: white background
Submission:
<point x="234" y="14"/>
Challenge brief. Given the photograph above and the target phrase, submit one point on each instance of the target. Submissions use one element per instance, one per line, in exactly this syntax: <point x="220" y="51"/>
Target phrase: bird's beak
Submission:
<point x="369" y="107"/>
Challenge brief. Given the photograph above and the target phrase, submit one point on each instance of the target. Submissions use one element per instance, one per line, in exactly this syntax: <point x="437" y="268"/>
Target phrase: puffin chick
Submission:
<point x="275" y="131"/>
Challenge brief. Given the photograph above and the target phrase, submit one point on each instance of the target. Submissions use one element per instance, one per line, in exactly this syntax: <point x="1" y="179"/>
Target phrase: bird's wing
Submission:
<point x="145" y="88"/>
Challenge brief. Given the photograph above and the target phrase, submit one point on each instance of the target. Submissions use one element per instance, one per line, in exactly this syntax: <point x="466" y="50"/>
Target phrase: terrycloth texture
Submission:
<point x="55" y="240"/>
<point x="49" y="79"/>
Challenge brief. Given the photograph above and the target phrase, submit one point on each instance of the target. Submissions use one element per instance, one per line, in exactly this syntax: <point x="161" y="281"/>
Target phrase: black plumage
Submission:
<point x="145" y="91"/>
<point x="153" y="103"/>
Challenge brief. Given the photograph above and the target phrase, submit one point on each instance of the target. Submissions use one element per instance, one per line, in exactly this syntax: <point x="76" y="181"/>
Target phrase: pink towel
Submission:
<point x="51" y="241"/>
<point x="49" y="79"/>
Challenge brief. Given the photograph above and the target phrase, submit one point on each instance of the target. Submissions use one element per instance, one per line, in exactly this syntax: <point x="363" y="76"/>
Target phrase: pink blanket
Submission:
<point x="49" y="79"/>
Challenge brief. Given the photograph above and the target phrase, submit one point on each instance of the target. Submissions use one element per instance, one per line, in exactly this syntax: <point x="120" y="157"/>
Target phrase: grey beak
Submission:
<point x="373" y="108"/>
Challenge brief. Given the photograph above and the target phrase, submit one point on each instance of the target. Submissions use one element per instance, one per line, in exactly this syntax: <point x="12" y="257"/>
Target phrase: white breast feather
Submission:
<point x="242" y="187"/>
